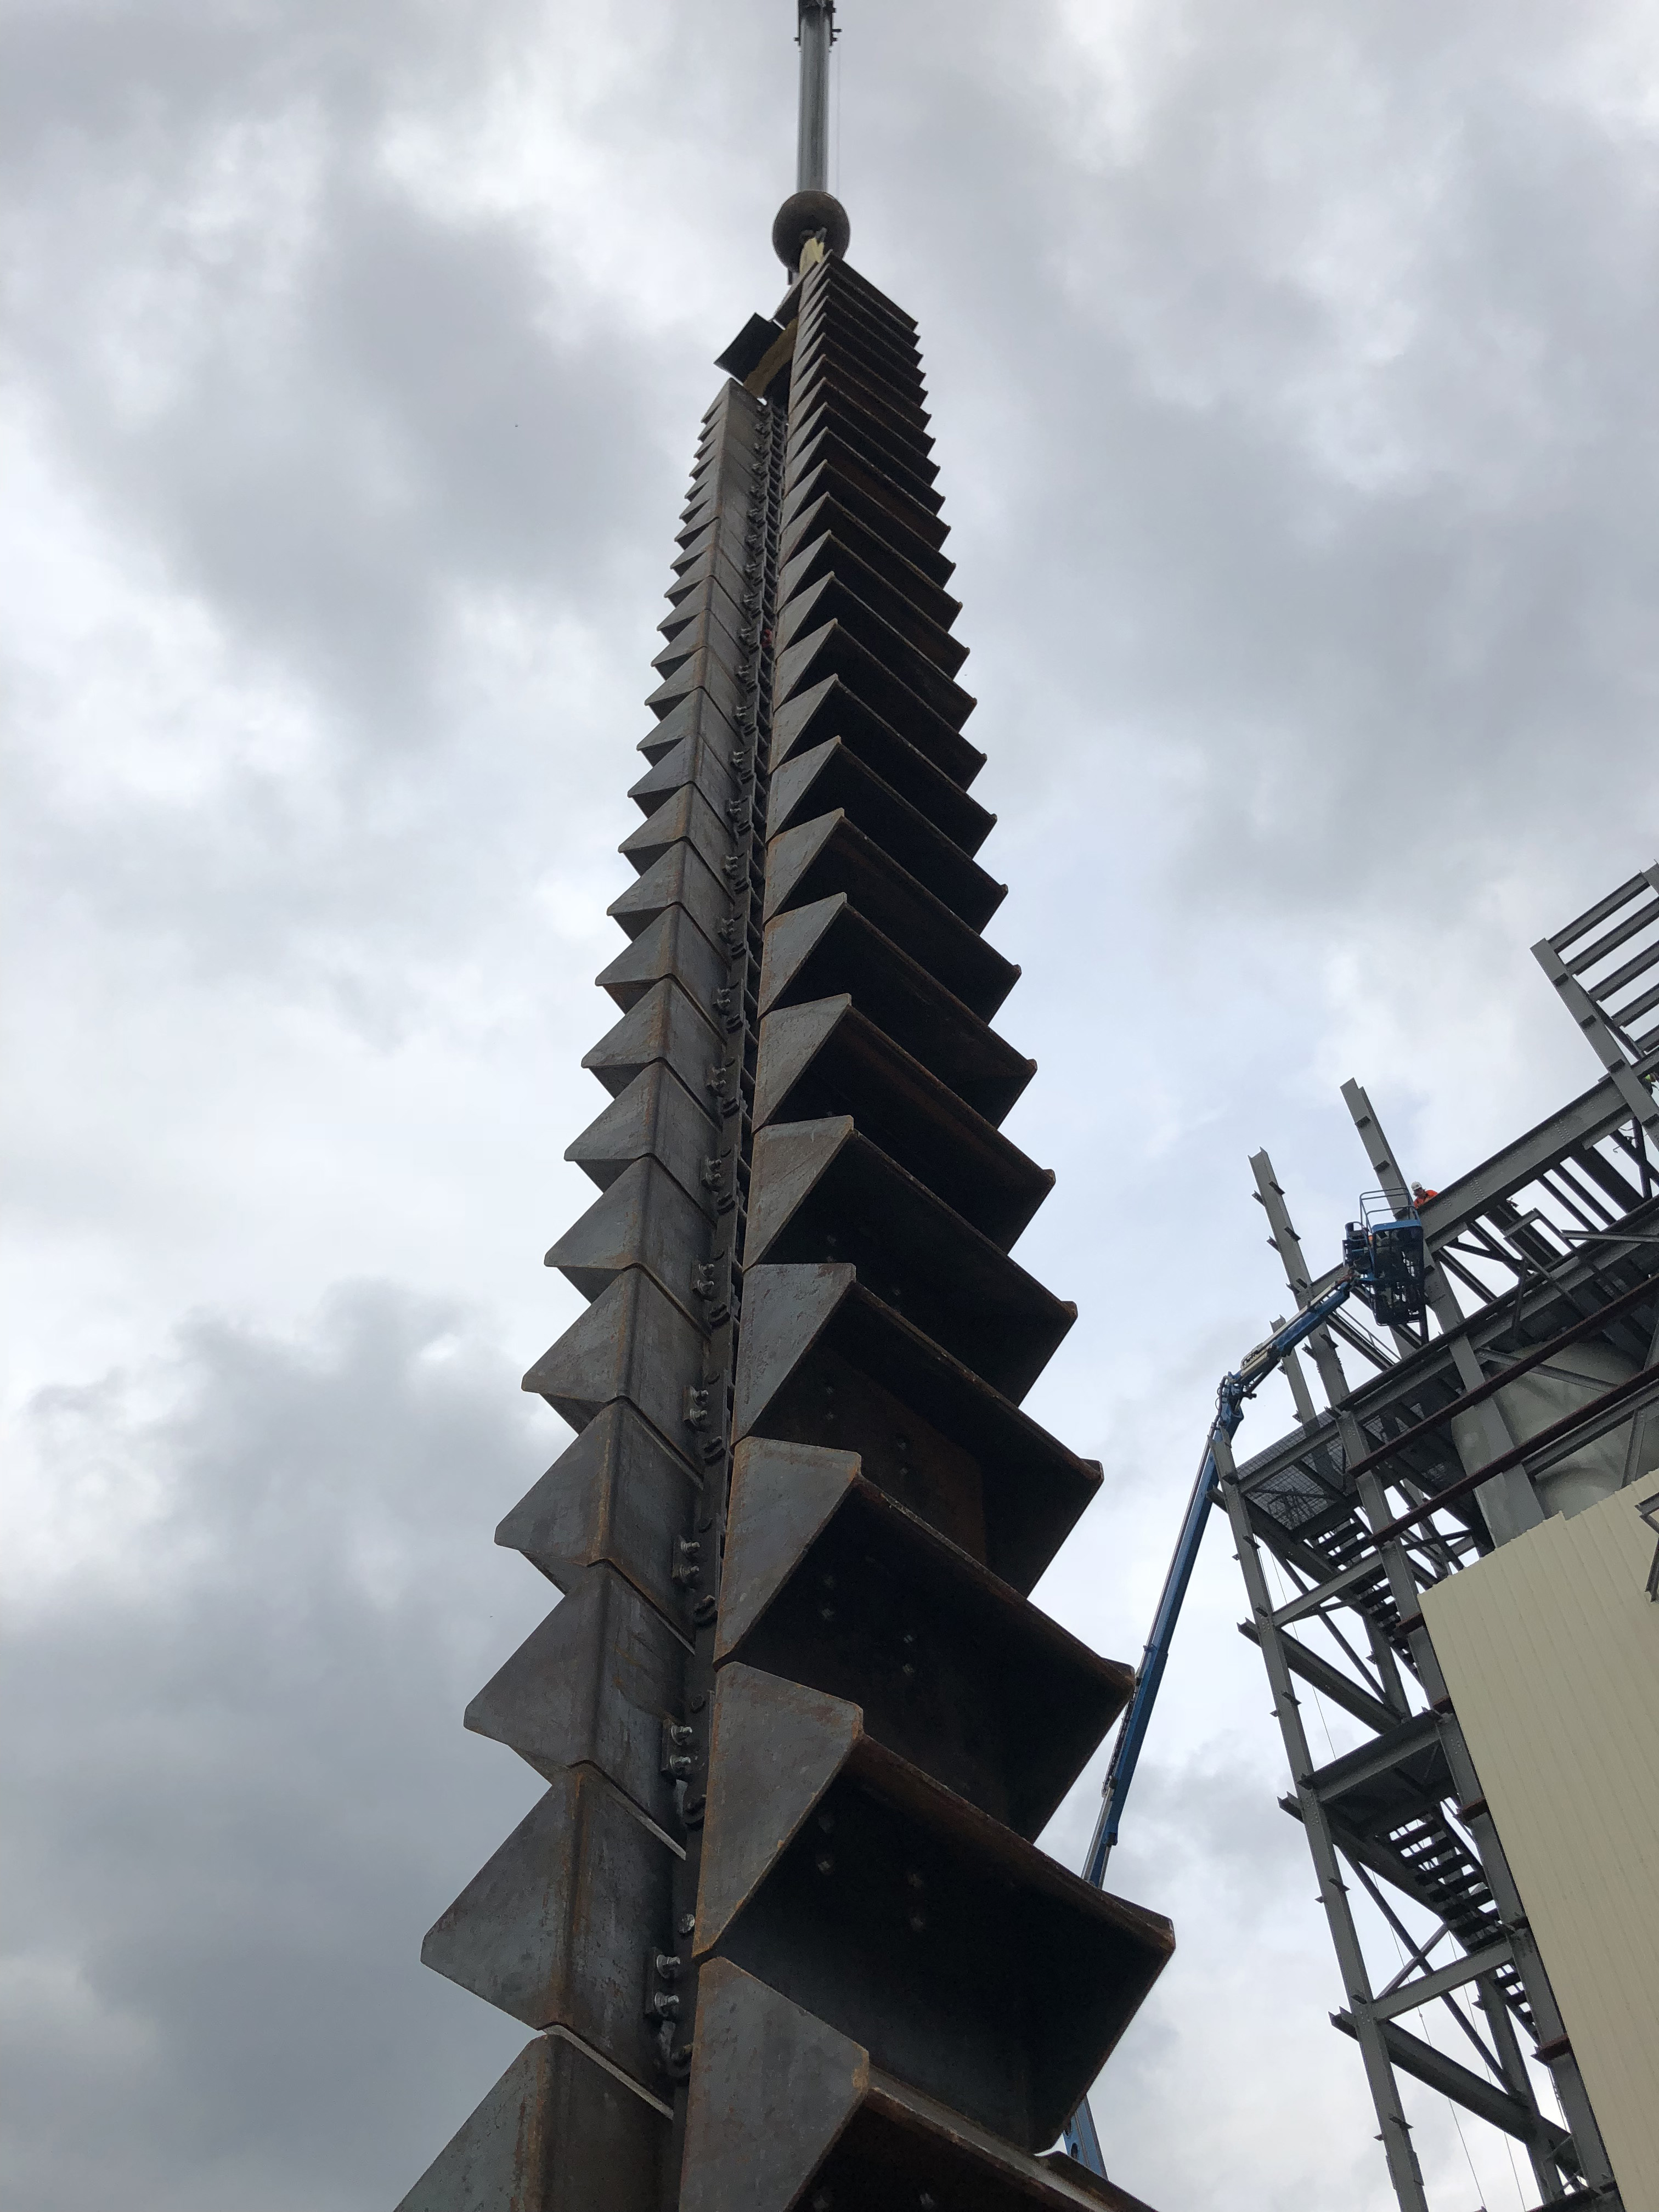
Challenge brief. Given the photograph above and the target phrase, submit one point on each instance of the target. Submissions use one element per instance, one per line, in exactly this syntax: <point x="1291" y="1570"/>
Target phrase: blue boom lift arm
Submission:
<point x="1244" y="1383"/>
<point x="1386" y="1262"/>
<point x="1080" y="2140"/>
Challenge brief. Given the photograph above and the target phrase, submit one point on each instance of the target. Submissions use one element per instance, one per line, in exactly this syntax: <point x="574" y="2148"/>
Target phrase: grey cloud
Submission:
<point x="413" y="466"/>
<point x="1290" y="369"/>
<point x="374" y="422"/>
<point x="238" y="1788"/>
<point x="1419" y="623"/>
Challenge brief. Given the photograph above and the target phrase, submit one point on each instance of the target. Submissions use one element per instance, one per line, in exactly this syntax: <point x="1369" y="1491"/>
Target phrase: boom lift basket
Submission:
<point x="1386" y="1258"/>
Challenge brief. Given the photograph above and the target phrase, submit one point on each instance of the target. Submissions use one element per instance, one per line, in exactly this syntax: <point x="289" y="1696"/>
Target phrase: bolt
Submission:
<point x="824" y="1863"/>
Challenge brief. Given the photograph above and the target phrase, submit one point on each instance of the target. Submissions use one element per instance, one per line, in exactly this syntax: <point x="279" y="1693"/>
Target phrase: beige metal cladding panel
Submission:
<point x="1551" y="1651"/>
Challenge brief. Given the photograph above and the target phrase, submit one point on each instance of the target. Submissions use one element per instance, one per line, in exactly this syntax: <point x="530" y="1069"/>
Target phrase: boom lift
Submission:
<point x="1384" y="1254"/>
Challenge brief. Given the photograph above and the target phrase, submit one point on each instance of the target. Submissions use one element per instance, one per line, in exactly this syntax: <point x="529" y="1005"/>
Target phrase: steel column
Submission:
<point x="817" y="29"/>
<point x="1404" y="2170"/>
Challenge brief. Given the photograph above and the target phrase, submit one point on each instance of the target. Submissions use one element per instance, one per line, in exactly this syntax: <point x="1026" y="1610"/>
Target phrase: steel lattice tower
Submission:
<point x="778" y="1923"/>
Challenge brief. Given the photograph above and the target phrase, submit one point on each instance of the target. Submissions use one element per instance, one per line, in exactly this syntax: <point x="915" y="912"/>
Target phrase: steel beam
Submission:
<point x="1404" y="2170"/>
<point x="1424" y="1988"/>
<point x="1461" y="2083"/>
<point x="1329" y="1680"/>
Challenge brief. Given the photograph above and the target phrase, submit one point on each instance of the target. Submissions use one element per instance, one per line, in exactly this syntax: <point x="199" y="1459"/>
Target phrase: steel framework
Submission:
<point x="1545" y="1273"/>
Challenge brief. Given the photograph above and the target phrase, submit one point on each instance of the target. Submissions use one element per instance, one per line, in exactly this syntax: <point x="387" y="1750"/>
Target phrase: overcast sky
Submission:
<point x="1293" y="367"/>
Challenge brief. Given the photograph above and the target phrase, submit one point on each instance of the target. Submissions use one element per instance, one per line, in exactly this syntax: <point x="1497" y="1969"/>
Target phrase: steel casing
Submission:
<point x="780" y="1916"/>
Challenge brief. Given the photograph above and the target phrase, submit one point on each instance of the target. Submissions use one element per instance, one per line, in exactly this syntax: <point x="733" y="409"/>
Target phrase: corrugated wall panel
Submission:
<point x="1551" y="1650"/>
